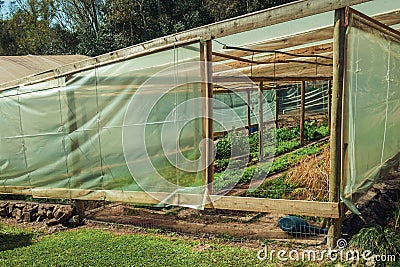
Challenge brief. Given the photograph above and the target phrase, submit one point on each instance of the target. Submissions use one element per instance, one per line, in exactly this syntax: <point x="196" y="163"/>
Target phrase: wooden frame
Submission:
<point x="268" y="17"/>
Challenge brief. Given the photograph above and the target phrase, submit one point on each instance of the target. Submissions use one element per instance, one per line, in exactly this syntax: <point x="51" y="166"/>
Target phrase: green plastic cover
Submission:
<point x="63" y="138"/>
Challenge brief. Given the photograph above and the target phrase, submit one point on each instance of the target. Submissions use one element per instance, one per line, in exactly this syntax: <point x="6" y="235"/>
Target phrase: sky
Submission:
<point x="4" y="7"/>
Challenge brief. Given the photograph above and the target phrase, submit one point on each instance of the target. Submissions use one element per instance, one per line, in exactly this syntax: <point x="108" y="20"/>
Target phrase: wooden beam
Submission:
<point x="273" y="206"/>
<point x="376" y="24"/>
<point x="258" y="61"/>
<point x="339" y="56"/>
<point x="302" y="111"/>
<point x="321" y="49"/>
<point x="315" y="35"/>
<point x="282" y="70"/>
<point x="285" y="42"/>
<point x="277" y="206"/>
<point x="263" y="18"/>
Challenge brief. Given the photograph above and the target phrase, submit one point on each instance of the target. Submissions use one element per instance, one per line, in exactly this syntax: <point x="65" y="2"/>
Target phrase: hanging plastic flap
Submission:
<point x="371" y="118"/>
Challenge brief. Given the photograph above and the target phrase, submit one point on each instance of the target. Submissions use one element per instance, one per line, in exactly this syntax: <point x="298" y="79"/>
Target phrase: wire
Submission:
<point x="225" y="46"/>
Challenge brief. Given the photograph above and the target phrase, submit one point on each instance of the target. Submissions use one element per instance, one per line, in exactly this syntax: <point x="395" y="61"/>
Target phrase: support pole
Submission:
<point x="339" y="54"/>
<point x="302" y="111"/>
<point x="329" y="101"/>
<point x="207" y="107"/>
<point x="276" y="108"/>
<point x="210" y="123"/>
<point x="73" y="126"/>
<point x="248" y="112"/>
<point x="260" y="123"/>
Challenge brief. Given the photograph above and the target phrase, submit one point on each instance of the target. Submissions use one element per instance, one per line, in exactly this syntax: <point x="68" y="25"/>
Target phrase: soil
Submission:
<point x="293" y="120"/>
<point x="377" y="206"/>
<point x="233" y="224"/>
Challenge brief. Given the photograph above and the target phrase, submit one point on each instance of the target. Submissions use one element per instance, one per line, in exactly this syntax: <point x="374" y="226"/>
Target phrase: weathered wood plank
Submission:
<point x="339" y="56"/>
<point x="273" y="206"/>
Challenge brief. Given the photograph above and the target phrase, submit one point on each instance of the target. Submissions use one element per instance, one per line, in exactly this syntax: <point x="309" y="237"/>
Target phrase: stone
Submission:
<point x="52" y="222"/>
<point x="49" y="214"/>
<point x="20" y="205"/>
<point x="3" y="212"/>
<point x="17" y="214"/>
<point x="10" y="208"/>
<point x="48" y="206"/>
<point x="63" y="213"/>
<point x="41" y="210"/>
<point x="26" y="216"/>
<point x="40" y="218"/>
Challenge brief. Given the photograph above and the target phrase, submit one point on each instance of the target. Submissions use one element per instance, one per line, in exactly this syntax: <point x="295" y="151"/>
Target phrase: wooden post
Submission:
<point x="208" y="129"/>
<point x="339" y="55"/>
<point x="75" y="159"/>
<point x="302" y="111"/>
<point x="248" y="112"/>
<point x="276" y="108"/>
<point x="329" y="102"/>
<point x="260" y="123"/>
<point x="210" y="123"/>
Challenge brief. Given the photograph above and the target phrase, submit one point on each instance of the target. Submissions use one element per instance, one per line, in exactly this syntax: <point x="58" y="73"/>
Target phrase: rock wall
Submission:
<point x="51" y="214"/>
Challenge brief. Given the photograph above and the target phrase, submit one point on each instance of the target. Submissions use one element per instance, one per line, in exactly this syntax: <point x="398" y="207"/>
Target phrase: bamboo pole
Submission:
<point x="260" y="123"/>
<point x="339" y="55"/>
<point x="302" y="111"/>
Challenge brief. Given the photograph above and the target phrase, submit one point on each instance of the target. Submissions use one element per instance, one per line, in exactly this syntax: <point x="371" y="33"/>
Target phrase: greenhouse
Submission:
<point x="146" y="124"/>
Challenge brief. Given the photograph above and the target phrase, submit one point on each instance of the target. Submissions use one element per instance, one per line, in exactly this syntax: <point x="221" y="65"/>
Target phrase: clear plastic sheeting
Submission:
<point x="240" y="102"/>
<point x="372" y="97"/>
<point x="316" y="97"/>
<point x="63" y="138"/>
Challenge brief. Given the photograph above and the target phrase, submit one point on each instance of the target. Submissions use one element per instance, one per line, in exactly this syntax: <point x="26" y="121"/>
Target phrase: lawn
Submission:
<point x="85" y="247"/>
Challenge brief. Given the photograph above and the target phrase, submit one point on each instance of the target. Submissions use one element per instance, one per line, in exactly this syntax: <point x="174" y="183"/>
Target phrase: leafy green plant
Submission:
<point x="313" y="132"/>
<point x="286" y="146"/>
<point x="275" y="188"/>
<point x="287" y="134"/>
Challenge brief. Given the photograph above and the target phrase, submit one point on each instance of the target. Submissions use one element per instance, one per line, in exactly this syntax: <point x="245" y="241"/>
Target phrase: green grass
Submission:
<point x="380" y="241"/>
<point x="83" y="247"/>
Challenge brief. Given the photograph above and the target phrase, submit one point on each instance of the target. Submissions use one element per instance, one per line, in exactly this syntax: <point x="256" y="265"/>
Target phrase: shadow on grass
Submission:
<point x="15" y="240"/>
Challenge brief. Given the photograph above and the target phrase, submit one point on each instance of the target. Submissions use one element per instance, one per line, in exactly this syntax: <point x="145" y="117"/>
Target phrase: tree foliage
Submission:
<point x="93" y="27"/>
